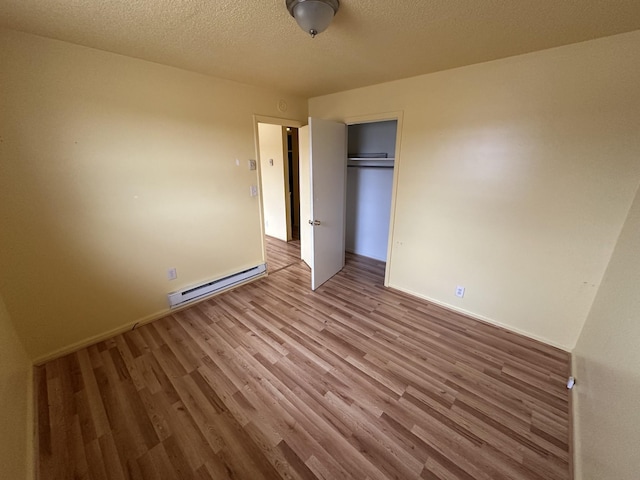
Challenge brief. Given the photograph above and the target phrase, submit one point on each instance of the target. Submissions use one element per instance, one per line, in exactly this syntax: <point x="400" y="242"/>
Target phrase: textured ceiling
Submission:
<point x="369" y="41"/>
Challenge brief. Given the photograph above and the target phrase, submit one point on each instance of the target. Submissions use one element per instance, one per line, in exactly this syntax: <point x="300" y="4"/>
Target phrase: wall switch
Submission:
<point x="172" y="274"/>
<point x="271" y="162"/>
<point x="253" y="190"/>
<point x="460" y="291"/>
<point x="252" y="164"/>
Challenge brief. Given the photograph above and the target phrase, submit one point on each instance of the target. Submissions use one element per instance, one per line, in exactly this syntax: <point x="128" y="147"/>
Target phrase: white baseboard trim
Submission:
<point x="484" y="319"/>
<point x="74" y="347"/>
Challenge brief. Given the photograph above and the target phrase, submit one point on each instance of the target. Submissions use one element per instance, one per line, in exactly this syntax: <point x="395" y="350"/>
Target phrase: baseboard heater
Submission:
<point x="208" y="288"/>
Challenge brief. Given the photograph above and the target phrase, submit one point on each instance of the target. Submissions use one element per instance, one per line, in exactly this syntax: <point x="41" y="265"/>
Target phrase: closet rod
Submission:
<point x="368" y="155"/>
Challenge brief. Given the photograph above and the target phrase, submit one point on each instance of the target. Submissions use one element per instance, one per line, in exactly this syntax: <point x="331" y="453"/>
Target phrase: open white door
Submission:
<point x="328" y="171"/>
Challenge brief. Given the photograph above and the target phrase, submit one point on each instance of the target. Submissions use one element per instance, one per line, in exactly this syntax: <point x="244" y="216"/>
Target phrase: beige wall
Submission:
<point x="607" y="368"/>
<point x="113" y="170"/>
<point x="272" y="178"/>
<point x="16" y="439"/>
<point x="515" y="177"/>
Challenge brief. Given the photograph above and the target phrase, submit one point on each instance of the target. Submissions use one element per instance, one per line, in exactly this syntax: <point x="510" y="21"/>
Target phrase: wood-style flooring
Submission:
<point x="274" y="381"/>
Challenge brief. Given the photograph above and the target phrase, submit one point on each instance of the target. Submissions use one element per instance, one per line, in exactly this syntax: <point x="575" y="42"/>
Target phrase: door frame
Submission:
<point x="381" y="117"/>
<point x="283" y="122"/>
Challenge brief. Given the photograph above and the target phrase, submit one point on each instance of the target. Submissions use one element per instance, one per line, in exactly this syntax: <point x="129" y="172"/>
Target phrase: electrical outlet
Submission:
<point x="253" y="190"/>
<point x="172" y="274"/>
<point x="252" y="164"/>
<point x="460" y="291"/>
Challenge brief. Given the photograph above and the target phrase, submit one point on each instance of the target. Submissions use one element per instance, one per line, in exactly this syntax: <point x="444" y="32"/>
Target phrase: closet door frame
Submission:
<point x="381" y="117"/>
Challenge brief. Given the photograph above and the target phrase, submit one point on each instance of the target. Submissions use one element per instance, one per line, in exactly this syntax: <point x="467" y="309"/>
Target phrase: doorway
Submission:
<point x="293" y="176"/>
<point x="370" y="178"/>
<point x="279" y="179"/>
<point x="278" y="159"/>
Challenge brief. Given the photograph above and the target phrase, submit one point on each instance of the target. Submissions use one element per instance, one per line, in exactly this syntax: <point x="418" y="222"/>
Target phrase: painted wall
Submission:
<point x="368" y="211"/>
<point x="515" y="177"/>
<point x="372" y="138"/>
<point x="16" y="416"/>
<point x="607" y="368"/>
<point x="273" y="186"/>
<point x="113" y="170"/>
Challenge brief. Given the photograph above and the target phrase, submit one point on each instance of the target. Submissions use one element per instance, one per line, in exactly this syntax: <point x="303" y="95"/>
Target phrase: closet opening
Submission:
<point x="370" y="169"/>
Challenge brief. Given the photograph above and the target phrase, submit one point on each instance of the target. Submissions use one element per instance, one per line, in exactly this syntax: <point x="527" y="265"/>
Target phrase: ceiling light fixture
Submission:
<point x="313" y="16"/>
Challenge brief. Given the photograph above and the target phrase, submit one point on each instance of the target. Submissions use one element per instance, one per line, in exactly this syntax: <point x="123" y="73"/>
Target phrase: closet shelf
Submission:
<point x="375" y="159"/>
<point x="370" y="162"/>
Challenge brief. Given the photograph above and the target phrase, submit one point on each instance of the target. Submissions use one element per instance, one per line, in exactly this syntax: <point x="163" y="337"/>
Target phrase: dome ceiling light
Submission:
<point x="313" y="16"/>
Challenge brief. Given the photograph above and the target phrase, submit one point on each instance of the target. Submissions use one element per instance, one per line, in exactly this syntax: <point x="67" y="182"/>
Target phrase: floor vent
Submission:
<point x="196" y="292"/>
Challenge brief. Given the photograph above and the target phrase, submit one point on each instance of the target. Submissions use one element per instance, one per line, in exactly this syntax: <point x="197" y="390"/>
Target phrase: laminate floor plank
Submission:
<point x="272" y="380"/>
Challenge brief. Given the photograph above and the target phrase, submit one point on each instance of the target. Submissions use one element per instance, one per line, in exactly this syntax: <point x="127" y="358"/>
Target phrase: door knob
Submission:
<point x="314" y="222"/>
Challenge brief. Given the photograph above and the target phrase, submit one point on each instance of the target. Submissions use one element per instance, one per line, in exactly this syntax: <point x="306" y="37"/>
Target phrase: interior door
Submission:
<point x="327" y="172"/>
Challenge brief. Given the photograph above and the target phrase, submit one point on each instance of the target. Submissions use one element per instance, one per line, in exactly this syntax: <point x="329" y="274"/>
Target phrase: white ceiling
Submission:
<point x="369" y="41"/>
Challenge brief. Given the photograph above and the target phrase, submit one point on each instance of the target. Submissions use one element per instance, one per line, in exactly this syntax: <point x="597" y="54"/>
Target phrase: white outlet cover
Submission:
<point x="172" y="274"/>
<point x="460" y="291"/>
<point x="253" y="190"/>
<point x="252" y="164"/>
